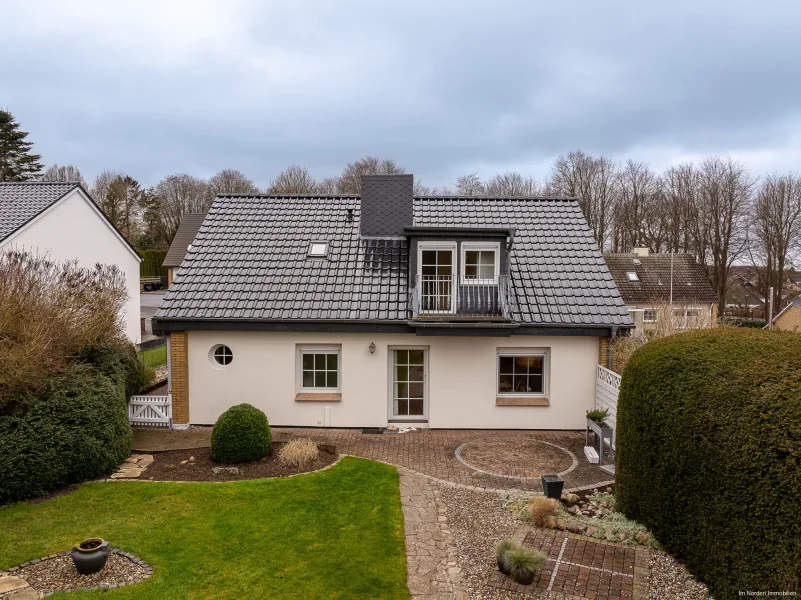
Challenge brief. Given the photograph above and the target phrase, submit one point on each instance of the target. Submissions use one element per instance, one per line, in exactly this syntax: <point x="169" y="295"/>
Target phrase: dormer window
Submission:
<point x="632" y="276"/>
<point x="480" y="262"/>
<point x="318" y="249"/>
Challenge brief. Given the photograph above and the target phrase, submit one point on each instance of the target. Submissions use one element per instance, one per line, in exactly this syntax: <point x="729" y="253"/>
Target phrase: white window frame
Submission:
<point x="213" y="359"/>
<point x="632" y="276"/>
<point x="391" y="381"/>
<point x="544" y="353"/>
<point x="317" y="349"/>
<point x="482" y="247"/>
<point x="452" y="246"/>
<point x="315" y="242"/>
<point x="648" y="310"/>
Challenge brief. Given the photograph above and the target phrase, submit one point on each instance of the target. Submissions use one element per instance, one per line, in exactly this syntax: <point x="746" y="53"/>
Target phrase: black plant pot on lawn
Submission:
<point x="90" y="555"/>
<point x="552" y="486"/>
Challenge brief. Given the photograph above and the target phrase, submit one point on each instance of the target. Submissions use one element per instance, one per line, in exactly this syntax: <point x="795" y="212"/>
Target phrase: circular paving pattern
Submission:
<point x="516" y="457"/>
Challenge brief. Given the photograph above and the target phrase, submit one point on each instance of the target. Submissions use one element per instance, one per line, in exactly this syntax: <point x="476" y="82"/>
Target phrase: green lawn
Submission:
<point x="153" y="357"/>
<point x="333" y="534"/>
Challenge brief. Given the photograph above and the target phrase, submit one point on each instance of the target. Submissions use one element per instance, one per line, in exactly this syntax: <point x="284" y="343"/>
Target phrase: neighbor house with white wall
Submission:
<point x="385" y="308"/>
<point x="62" y="221"/>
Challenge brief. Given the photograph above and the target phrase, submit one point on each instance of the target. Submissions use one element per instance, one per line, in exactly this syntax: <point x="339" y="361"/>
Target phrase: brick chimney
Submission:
<point x="387" y="205"/>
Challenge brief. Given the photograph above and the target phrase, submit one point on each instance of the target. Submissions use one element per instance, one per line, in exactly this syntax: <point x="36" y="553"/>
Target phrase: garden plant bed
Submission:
<point x="56" y="573"/>
<point x="167" y="466"/>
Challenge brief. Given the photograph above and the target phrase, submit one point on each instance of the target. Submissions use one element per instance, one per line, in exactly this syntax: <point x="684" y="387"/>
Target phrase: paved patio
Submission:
<point x="489" y="459"/>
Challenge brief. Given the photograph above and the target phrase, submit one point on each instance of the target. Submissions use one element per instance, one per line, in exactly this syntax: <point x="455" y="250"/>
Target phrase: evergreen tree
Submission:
<point x="16" y="161"/>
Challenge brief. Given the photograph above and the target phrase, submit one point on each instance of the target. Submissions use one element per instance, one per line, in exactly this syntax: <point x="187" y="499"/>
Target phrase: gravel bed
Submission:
<point x="58" y="574"/>
<point x="478" y="521"/>
<point x="671" y="581"/>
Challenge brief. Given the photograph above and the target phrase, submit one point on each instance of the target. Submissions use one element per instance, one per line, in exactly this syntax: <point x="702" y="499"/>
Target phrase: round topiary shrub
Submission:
<point x="241" y="434"/>
<point x="709" y="454"/>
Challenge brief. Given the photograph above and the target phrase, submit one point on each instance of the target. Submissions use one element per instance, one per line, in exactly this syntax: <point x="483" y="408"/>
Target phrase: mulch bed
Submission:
<point x="167" y="466"/>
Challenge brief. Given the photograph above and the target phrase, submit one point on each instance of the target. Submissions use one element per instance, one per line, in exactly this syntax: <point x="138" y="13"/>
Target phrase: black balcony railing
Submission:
<point x="458" y="297"/>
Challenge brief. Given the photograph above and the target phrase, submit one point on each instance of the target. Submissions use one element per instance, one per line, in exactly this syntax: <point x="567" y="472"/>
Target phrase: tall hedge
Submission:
<point x="709" y="454"/>
<point x="151" y="263"/>
<point x="75" y="429"/>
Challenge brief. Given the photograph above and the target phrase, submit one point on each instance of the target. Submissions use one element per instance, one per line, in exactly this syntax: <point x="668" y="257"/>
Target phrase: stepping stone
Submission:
<point x="27" y="593"/>
<point x="9" y="584"/>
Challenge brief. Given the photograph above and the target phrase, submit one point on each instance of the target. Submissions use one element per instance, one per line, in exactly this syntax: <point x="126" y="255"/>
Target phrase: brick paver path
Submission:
<point x="583" y="568"/>
<point x="433" y="452"/>
<point x="430" y="550"/>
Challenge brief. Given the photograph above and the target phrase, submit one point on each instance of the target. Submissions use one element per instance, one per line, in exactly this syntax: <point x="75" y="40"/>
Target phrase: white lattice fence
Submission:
<point x="150" y="410"/>
<point x="607" y="388"/>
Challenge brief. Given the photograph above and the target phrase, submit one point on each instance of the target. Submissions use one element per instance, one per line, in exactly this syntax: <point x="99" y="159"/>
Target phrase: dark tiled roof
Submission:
<point x="21" y="202"/>
<point x="187" y="230"/>
<point x="690" y="283"/>
<point x="249" y="261"/>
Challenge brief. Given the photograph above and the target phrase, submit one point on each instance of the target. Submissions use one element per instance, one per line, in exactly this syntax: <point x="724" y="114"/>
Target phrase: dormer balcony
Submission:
<point x="460" y="298"/>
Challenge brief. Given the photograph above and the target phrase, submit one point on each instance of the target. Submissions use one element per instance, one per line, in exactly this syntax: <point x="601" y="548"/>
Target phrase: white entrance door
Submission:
<point x="409" y="389"/>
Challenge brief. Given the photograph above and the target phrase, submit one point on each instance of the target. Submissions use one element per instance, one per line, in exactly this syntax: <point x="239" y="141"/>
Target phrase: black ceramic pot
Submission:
<point x="502" y="568"/>
<point x="524" y="577"/>
<point x="90" y="555"/>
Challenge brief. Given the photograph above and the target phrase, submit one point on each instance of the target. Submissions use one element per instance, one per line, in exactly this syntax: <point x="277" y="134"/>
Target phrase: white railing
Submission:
<point x="607" y="388"/>
<point x="150" y="410"/>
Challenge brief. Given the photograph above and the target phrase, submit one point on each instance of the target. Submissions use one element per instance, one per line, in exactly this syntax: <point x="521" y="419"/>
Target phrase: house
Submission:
<point x="653" y="284"/>
<point x="187" y="230"/>
<point x="789" y="319"/>
<point x="360" y="311"/>
<point x="743" y="297"/>
<point x="61" y="220"/>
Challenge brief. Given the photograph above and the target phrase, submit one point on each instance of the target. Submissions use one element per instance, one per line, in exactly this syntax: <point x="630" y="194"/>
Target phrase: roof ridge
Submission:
<point x="30" y="182"/>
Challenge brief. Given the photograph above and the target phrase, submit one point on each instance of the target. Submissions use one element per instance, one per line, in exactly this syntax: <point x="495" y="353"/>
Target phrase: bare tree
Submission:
<point x="513" y="184"/>
<point x="179" y="194"/>
<point x="294" y="180"/>
<point x="119" y="197"/>
<point x="231" y="181"/>
<point x="686" y="228"/>
<point x="350" y="180"/>
<point x="470" y="185"/>
<point x="776" y="226"/>
<point x="64" y="173"/>
<point x="637" y="184"/>
<point x="328" y="186"/>
<point x="595" y="182"/>
<point x="725" y="194"/>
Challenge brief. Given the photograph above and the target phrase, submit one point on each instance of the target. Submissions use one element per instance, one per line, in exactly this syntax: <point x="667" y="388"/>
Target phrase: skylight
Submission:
<point x="632" y="276"/>
<point x="318" y="248"/>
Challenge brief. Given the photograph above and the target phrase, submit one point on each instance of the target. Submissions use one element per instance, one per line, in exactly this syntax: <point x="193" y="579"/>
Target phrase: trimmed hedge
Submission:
<point x="151" y="263"/>
<point x="241" y="434"/>
<point x="75" y="429"/>
<point x="709" y="454"/>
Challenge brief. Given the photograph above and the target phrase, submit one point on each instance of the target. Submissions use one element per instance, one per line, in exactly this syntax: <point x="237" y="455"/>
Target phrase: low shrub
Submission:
<point x="709" y="454"/>
<point x="299" y="453"/>
<point x="518" y="561"/>
<point x="241" y="434"/>
<point x="75" y="428"/>
<point x="541" y="508"/>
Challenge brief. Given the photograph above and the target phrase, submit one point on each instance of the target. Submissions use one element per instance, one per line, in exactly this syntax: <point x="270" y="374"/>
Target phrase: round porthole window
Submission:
<point x="222" y="355"/>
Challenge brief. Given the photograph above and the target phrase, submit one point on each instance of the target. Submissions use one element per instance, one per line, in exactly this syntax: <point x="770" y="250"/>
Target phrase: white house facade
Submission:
<point x="386" y="309"/>
<point x="61" y="220"/>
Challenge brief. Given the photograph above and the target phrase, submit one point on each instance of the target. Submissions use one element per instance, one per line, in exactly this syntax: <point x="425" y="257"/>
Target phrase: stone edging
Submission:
<point x="132" y="557"/>
<point x="511" y="437"/>
<point x="336" y="462"/>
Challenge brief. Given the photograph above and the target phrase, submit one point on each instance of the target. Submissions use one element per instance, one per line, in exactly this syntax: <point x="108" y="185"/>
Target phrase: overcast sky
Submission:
<point x="445" y="88"/>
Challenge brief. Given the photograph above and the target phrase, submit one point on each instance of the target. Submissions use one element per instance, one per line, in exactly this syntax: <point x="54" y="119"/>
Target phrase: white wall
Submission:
<point x="462" y="379"/>
<point x="73" y="229"/>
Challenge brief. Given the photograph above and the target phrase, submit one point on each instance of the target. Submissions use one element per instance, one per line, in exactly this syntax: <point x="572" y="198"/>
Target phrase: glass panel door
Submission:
<point x="436" y="277"/>
<point x="408" y="384"/>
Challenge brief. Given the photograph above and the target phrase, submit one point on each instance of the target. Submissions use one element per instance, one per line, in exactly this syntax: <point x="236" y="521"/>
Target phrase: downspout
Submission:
<point x="610" y="359"/>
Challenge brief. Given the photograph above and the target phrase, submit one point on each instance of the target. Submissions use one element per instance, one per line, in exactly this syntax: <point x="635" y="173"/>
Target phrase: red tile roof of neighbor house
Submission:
<point x="653" y="275"/>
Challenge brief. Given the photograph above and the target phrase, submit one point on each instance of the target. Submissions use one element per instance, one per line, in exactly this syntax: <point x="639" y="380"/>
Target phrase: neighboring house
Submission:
<point x="653" y="284"/>
<point x="61" y="220"/>
<point x="743" y="298"/>
<point x="789" y="319"/>
<point x="187" y="230"/>
<point x="357" y="311"/>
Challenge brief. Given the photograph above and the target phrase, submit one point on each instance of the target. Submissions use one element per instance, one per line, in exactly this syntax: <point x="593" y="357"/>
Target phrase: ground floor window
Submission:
<point x="319" y="368"/>
<point x="650" y="315"/>
<point x="521" y="373"/>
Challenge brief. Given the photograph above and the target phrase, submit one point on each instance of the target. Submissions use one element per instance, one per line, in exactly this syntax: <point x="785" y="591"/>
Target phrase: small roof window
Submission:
<point x="318" y="249"/>
<point x="632" y="276"/>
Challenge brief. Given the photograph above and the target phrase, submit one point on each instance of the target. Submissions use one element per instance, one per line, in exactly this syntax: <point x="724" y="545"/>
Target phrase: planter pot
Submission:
<point x="552" y="486"/>
<point x="501" y="568"/>
<point x="524" y="577"/>
<point x="90" y="555"/>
